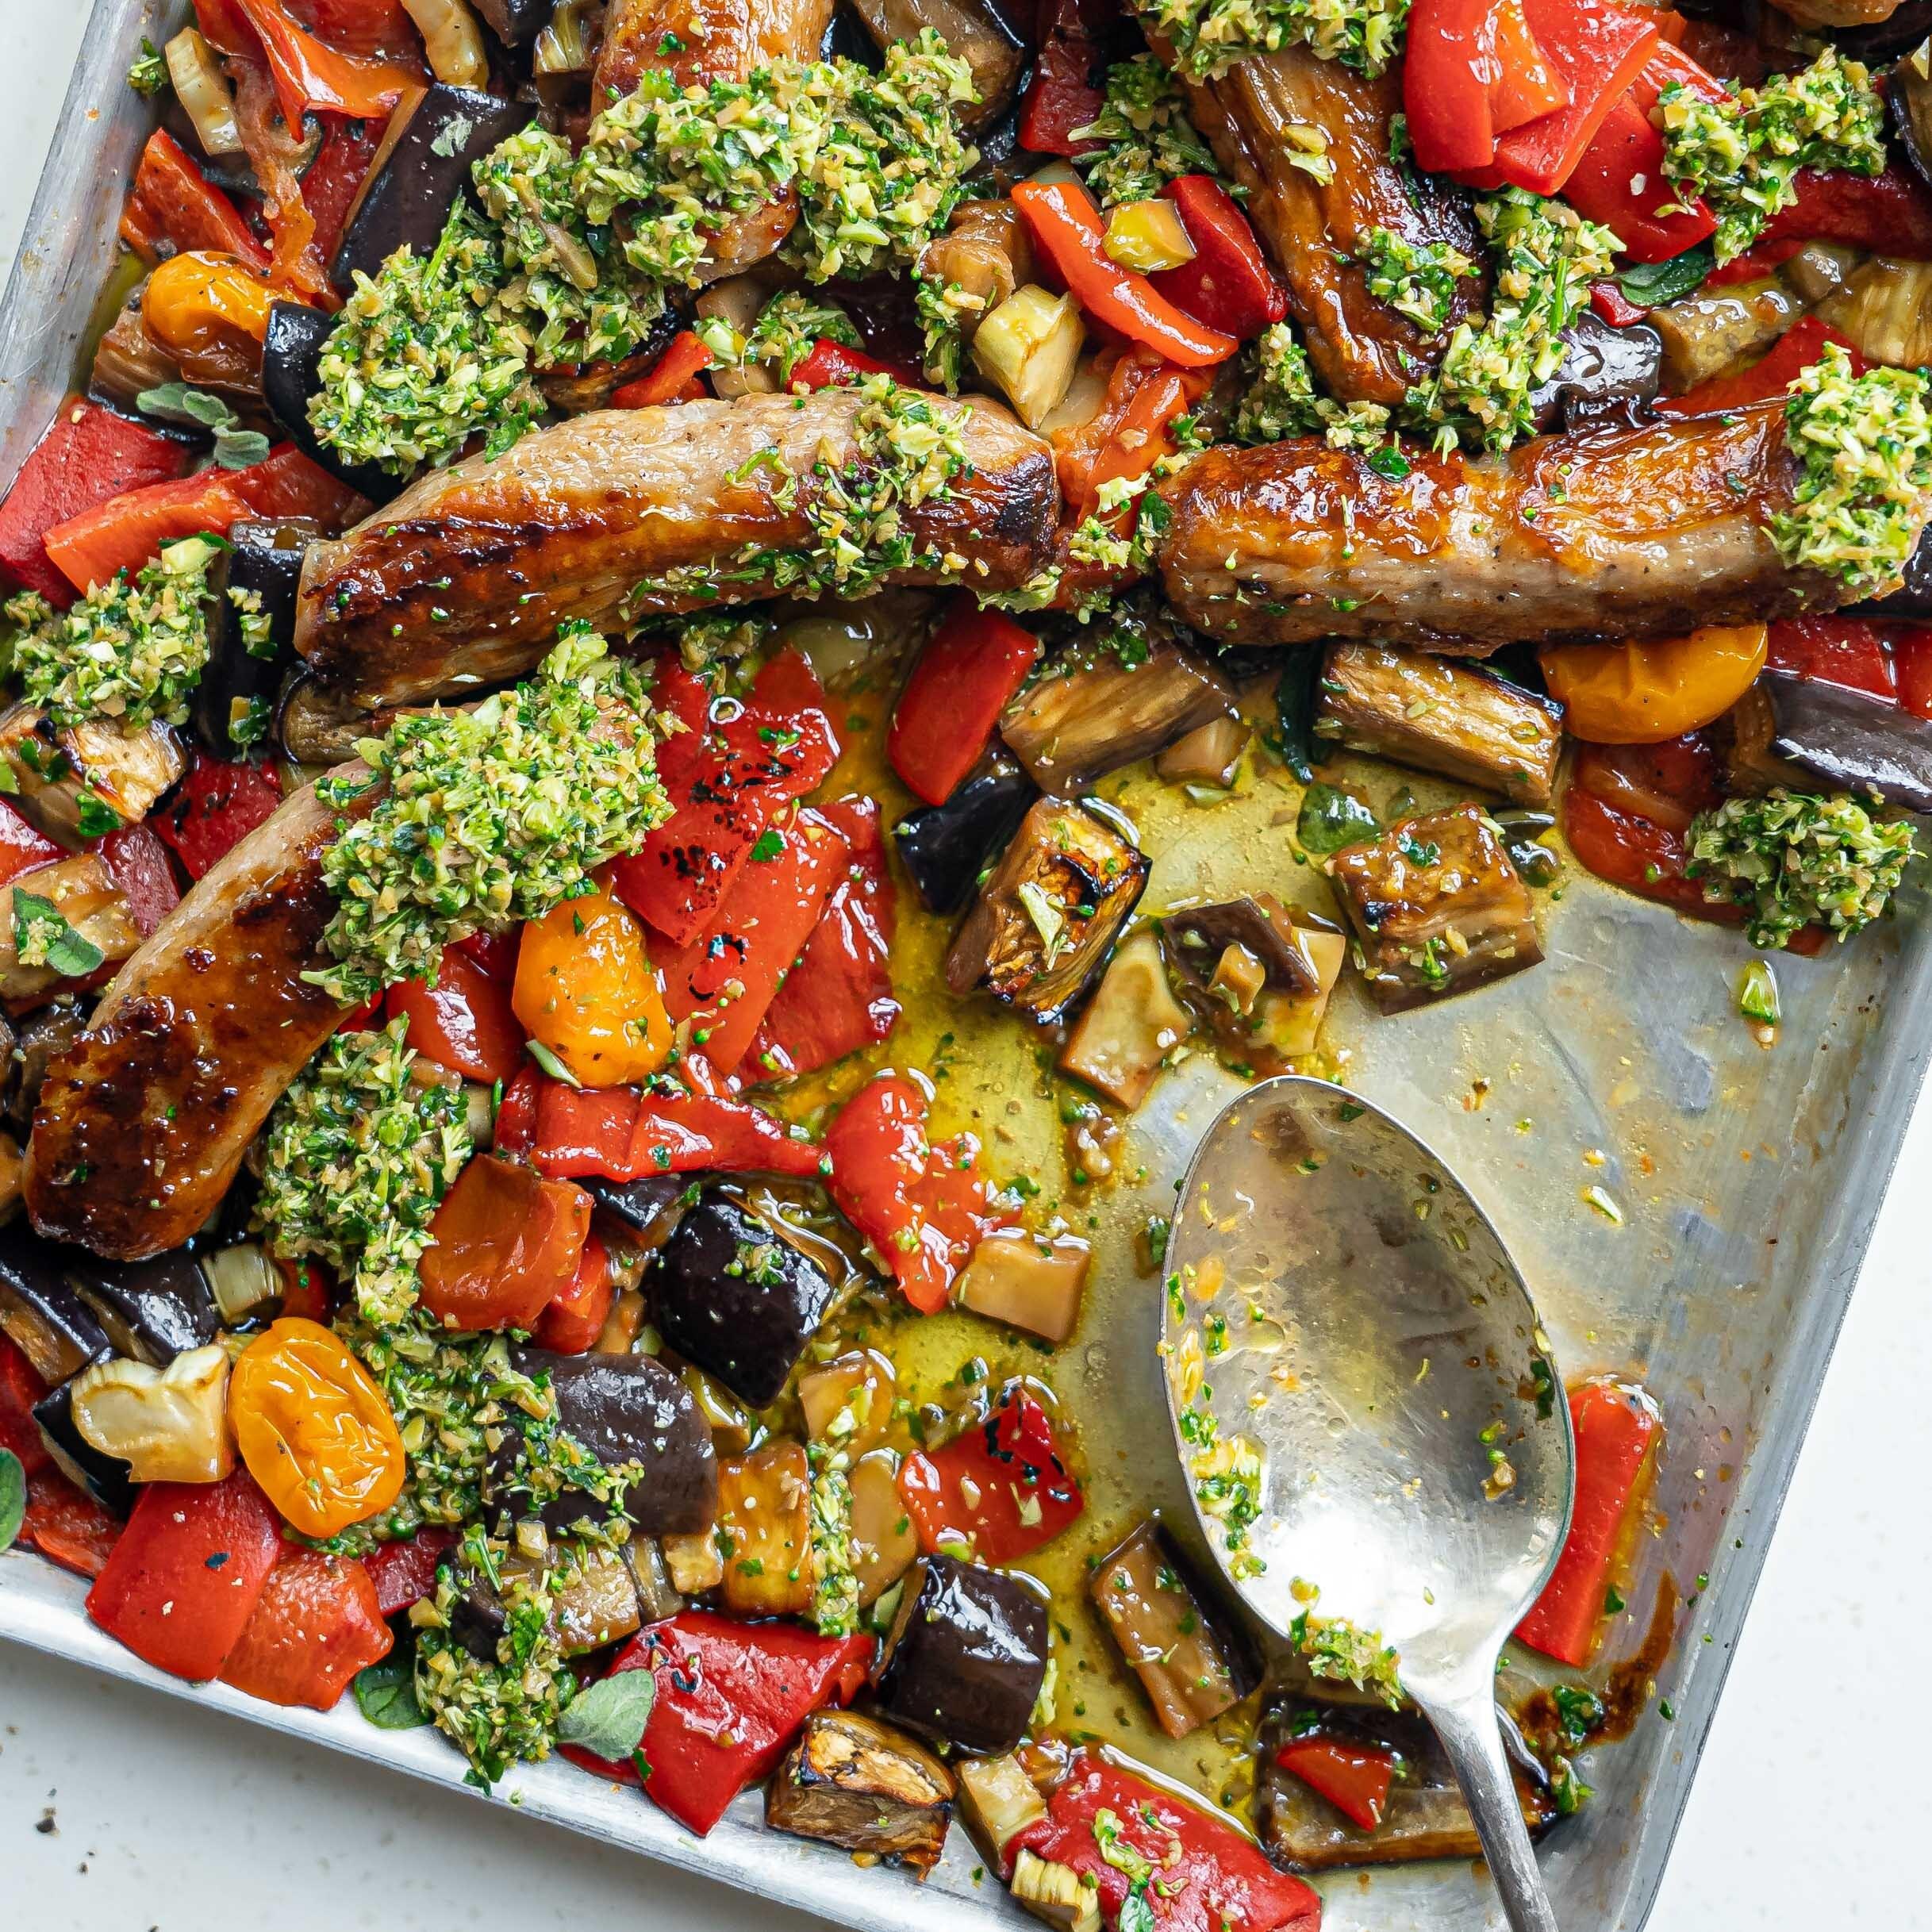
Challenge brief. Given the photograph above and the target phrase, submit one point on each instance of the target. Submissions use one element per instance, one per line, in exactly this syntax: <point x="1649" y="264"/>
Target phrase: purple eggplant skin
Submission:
<point x="623" y="1408"/>
<point x="1605" y="373"/>
<point x="291" y="358"/>
<point x="108" y="1479"/>
<point x="39" y="1312"/>
<point x="1913" y="597"/>
<point x="729" y="1295"/>
<point x="945" y="848"/>
<point x="514" y="22"/>
<point x="966" y="1656"/>
<point x="264" y="556"/>
<point x="1851" y="739"/>
<point x="153" y="1310"/>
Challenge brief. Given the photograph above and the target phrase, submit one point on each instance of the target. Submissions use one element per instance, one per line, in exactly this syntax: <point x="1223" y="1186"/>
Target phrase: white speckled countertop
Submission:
<point x="121" y="1810"/>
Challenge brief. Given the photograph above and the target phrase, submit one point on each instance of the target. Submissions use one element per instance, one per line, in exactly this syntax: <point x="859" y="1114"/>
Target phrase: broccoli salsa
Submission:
<point x="682" y="707"/>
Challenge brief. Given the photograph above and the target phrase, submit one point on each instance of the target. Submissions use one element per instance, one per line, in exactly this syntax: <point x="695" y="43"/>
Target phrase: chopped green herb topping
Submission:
<point x="1332" y="1647"/>
<point x="790" y="325"/>
<point x="835" y="1584"/>
<point x="1281" y="400"/>
<point x="1417" y="279"/>
<point x="147" y="72"/>
<point x="1792" y="862"/>
<point x="1209" y="37"/>
<point x="1149" y="140"/>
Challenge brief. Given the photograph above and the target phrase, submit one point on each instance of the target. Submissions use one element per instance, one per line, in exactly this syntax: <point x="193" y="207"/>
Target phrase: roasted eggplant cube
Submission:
<point x="248" y="662"/>
<point x="39" y="1312"/>
<point x="153" y="1310"/>
<point x="1437" y="715"/>
<point x="1803" y="732"/>
<point x="966" y="1656"/>
<point x="644" y="1205"/>
<point x="946" y="848"/>
<point x="107" y="1479"/>
<point x="77" y="784"/>
<point x="1127" y="1030"/>
<point x="624" y="1408"/>
<point x="732" y="1296"/>
<point x="764" y="1531"/>
<point x="1437" y="908"/>
<point x="1272" y="952"/>
<point x="291" y="374"/>
<point x="1606" y="373"/>
<point x="854" y="1782"/>
<point x="423" y="165"/>
<point x="1076" y="724"/>
<point x="81" y="891"/>
<point x="1047" y="914"/>
<point x="516" y="23"/>
<point x="1192" y="1665"/>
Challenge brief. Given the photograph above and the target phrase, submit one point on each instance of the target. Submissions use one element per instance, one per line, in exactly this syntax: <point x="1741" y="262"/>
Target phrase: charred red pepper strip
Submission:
<point x="1066" y="227"/>
<point x="730" y="1698"/>
<point x="1001" y="1489"/>
<point x="310" y="75"/>
<point x="726" y="782"/>
<point x="829" y="365"/>
<point x="1229" y="284"/>
<point x="1614" y="305"/>
<point x="287" y="483"/>
<point x="623" y="1135"/>
<point x="317" y="1623"/>
<point x="216" y="806"/>
<point x="1212" y="1878"/>
<point x="673" y="377"/>
<point x="334" y="179"/>
<point x="88" y="454"/>
<point x="1355" y="1778"/>
<point x="1890" y="212"/>
<point x="1065" y="93"/>
<point x="515" y="1123"/>
<point x="464" y="1021"/>
<point x="1617" y="1428"/>
<point x="723" y="982"/>
<point x="137" y="862"/>
<point x="186" y="1575"/>
<point x="967" y="674"/>
<point x="174" y="209"/>
<point x="1770" y="375"/>
<point x="20" y="1387"/>
<point x="405" y="1573"/>
<point x="66" y="1525"/>
<point x="924" y="1208"/>
<point x="839" y="997"/>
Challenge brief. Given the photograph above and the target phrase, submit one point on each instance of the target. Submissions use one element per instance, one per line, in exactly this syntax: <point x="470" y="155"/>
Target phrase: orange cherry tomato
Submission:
<point x="313" y="1428"/>
<point x="585" y="990"/>
<point x="1643" y="693"/>
<point x="210" y="314"/>
<point x="506" y="1241"/>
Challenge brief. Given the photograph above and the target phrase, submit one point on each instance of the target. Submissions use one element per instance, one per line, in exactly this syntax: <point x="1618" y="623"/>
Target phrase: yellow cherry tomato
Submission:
<point x="1644" y="693"/>
<point x="209" y="313"/>
<point x="585" y="990"/>
<point x="313" y="1428"/>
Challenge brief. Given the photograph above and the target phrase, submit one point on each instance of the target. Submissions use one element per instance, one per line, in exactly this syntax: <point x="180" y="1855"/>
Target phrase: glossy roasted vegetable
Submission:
<point x="234" y="702"/>
<point x="71" y="783"/>
<point x="105" y="1477"/>
<point x="153" y="1310"/>
<point x="945" y="848"/>
<point x="291" y="374"/>
<point x="1885" y="309"/>
<point x="1271" y="953"/>
<point x="966" y="1656"/>
<point x="764" y="1531"/>
<point x="1788" y="730"/>
<point x="516" y="23"/>
<point x="1438" y="715"/>
<point x="1605" y="372"/>
<point x="997" y="1801"/>
<point x="1027" y="347"/>
<point x="1048" y="912"/>
<point x="848" y="1403"/>
<point x="854" y="1782"/>
<point x="1437" y="908"/>
<point x="1908" y="95"/>
<point x="40" y="1311"/>
<point x="168" y="1425"/>
<point x="89" y="921"/>
<point x="975" y="31"/>
<point x="1127" y="1030"/>
<point x="1027" y="1281"/>
<point x="733" y="1296"/>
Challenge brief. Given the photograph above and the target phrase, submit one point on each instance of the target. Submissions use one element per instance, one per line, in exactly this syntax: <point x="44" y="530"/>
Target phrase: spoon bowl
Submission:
<point x="1367" y="1408"/>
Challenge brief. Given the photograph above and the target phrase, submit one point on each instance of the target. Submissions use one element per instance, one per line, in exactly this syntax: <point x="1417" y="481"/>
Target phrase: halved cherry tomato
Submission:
<point x="463" y="1021"/>
<point x="506" y="1240"/>
<point x="1645" y="692"/>
<point x="313" y="1428"/>
<point x="585" y="990"/>
<point x="575" y="1317"/>
<point x="210" y="313"/>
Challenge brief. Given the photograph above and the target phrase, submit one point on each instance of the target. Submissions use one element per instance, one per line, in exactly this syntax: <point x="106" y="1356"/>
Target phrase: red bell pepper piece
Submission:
<point x="1617" y="1428"/>
<point x="317" y="1623"/>
<point x="575" y="1319"/>
<point x="924" y="1208"/>
<point x="1614" y="305"/>
<point x="464" y="1021"/>
<point x="1131" y="431"/>
<point x="1065" y="225"/>
<point x="830" y="365"/>
<point x="730" y="1699"/>
<point x="287" y="483"/>
<point x="1600" y="48"/>
<point x="1065" y="94"/>
<point x="184" y="1578"/>
<point x="22" y="847"/>
<point x="66" y="1525"/>
<point x="1001" y="1488"/>
<point x="504" y="1241"/>
<point x="310" y="75"/>
<point x="724" y="979"/>
<point x="20" y="1387"/>
<point x="1229" y="284"/>
<point x="137" y="862"/>
<point x="88" y="454"/>
<point x="174" y="209"/>
<point x="495" y="952"/>
<point x="623" y="1135"/>
<point x="966" y="677"/>
<point x="1211" y="1877"/>
<point x="673" y="377"/>
<point x="334" y="179"/>
<point x="726" y="783"/>
<point x="1449" y="64"/>
<point x="839" y="997"/>
<point x="1527" y="84"/>
<point x="1770" y="376"/>
<point x="1850" y="652"/>
<point x="516" y="1127"/>
<point x="1889" y="212"/>
<point x="1911" y="657"/>
<point x="405" y="1573"/>
<point x="216" y="806"/>
<point x="1355" y="1778"/>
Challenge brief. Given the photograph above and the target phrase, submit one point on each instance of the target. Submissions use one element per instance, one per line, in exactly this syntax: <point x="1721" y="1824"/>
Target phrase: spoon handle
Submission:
<point x="1465" y="1719"/>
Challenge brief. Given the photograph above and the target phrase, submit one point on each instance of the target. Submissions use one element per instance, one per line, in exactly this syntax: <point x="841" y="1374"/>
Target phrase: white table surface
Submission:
<point x="1806" y="1810"/>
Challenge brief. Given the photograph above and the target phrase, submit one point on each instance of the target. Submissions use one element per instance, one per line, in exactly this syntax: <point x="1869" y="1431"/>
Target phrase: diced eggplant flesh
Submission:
<point x="625" y="1408"/>
<point x="291" y="374"/>
<point x="1199" y="936"/>
<point x="1908" y="95"/>
<point x="40" y="1311"/>
<point x="1800" y="729"/>
<point x="264" y="563"/>
<point x="1193" y="1663"/>
<point x="945" y="848"/>
<point x="1127" y="1030"/>
<point x="81" y="891"/>
<point x="966" y="1656"/>
<point x="851" y="1781"/>
<point x="1028" y="1280"/>
<point x="1437" y="908"/>
<point x="69" y="782"/>
<point x="151" y="1310"/>
<point x="108" y="1479"/>
<point x="997" y="1801"/>
<point x="764" y="1531"/>
<point x="1076" y="724"/>
<point x="735" y="1297"/>
<point x="1049" y="912"/>
<point x="1442" y="714"/>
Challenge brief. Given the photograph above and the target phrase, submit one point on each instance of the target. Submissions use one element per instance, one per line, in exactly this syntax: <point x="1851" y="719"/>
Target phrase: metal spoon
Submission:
<point x="1337" y="1298"/>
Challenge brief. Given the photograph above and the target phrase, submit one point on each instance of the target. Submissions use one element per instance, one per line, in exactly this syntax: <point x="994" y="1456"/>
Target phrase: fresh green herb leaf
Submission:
<point x="608" y="1719"/>
<point x="770" y="843"/>
<point x="42" y="936"/>
<point x="1655" y="283"/>
<point x="551" y="1064"/>
<point x="1331" y="818"/>
<point x="13" y="1497"/>
<point x="386" y="1693"/>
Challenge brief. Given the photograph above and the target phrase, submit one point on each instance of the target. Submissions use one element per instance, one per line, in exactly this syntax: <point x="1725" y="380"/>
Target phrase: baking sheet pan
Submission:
<point x="1748" y="1181"/>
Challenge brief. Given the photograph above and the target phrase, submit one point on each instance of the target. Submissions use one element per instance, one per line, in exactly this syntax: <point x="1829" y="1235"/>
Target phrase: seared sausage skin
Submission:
<point x="1607" y="533"/>
<point x="463" y="579"/>
<point x="144" y="1120"/>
